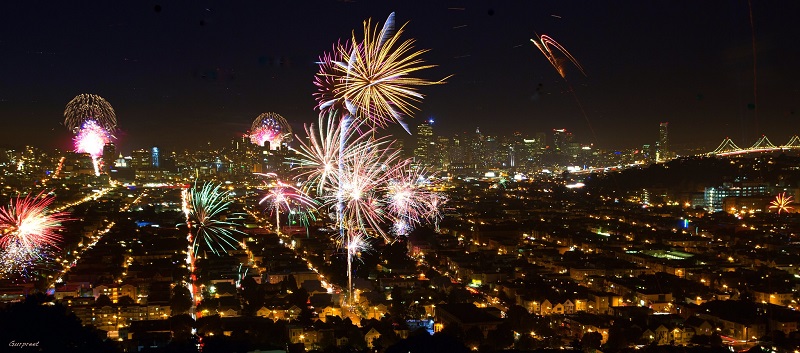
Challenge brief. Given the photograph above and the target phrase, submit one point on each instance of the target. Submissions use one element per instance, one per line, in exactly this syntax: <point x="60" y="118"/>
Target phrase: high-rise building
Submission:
<point x="531" y="152"/>
<point x="476" y="154"/>
<point x="109" y="154"/>
<point x="155" y="162"/>
<point x="442" y="155"/>
<point x="456" y="150"/>
<point x="561" y="140"/>
<point x="425" y="144"/>
<point x="662" y="146"/>
<point x="141" y="159"/>
<point x="491" y="151"/>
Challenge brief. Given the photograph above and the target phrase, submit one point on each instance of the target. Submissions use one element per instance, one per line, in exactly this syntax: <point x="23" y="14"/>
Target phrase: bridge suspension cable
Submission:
<point x="762" y="143"/>
<point x="727" y="145"/>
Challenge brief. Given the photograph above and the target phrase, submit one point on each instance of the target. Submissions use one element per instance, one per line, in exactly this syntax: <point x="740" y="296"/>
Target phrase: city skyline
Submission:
<point x="182" y="75"/>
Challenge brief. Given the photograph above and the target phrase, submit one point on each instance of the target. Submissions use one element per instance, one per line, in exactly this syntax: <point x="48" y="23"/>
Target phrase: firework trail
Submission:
<point x="303" y="215"/>
<point x="270" y="127"/>
<point x="318" y="159"/>
<point x="545" y="44"/>
<point x="283" y="196"/>
<point x="241" y="275"/>
<point x="781" y="203"/>
<point x="28" y="233"/>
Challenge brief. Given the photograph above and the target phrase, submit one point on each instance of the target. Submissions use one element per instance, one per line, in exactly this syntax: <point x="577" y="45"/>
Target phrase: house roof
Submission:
<point x="467" y="313"/>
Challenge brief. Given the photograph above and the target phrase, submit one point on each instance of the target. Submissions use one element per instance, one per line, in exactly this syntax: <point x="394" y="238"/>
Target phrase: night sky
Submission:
<point x="181" y="74"/>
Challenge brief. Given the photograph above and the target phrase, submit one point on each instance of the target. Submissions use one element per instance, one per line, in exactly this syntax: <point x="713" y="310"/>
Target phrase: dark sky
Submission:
<point x="182" y="73"/>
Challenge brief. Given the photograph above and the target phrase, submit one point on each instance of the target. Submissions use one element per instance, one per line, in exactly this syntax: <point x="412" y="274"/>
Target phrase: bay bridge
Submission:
<point x="763" y="145"/>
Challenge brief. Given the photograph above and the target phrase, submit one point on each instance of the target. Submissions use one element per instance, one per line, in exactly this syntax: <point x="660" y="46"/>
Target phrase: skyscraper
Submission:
<point x="442" y="155"/>
<point x="476" y="155"/>
<point x="155" y="162"/>
<point x="561" y="140"/>
<point x="662" y="146"/>
<point x="141" y="159"/>
<point x="423" y="153"/>
<point x="109" y="155"/>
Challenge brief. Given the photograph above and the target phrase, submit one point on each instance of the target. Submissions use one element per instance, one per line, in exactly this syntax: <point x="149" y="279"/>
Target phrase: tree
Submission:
<point x="298" y="297"/>
<point x="591" y="341"/>
<point x="125" y="300"/>
<point x="181" y="326"/>
<point x="398" y="308"/>
<point x="103" y="300"/>
<point x="289" y="283"/>
<point x="473" y="337"/>
<point x="180" y="302"/>
<point x="453" y="330"/>
<point x="519" y="319"/>
<point x="716" y="340"/>
<point x="51" y="327"/>
<point x="500" y="338"/>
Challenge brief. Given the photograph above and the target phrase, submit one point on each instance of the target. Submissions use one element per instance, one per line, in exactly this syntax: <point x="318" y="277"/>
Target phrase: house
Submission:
<point x="663" y="334"/>
<point x="601" y="302"/>
<point x="376" y="311"/>
<point x="776" y="297"/>
<point x="583" y="323"/>
<point x="330" y="310"/>
<point x="466" y="315"/>
<point x="279" y="312"/>
<point x="738" y="319"/>
<point x="341" y="338"/>
<point x="115" y="292"/>
<point x="371" y="337"/>
<point x="700" y="326"/>
<point x="67" y="291"/>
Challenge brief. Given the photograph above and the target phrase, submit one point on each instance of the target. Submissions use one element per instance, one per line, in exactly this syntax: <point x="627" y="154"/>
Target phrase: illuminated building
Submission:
<point x="423" y="153"/>
<point x="662" y="146"/>
<point x="154" y="160"/>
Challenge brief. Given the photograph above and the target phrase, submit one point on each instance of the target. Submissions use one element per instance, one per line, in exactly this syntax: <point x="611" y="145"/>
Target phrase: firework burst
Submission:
<point x="89" y="107"/>
<point x="328" y="144"/>
<point x="283" y="196"/>
<point x="91" y="138"/>
<point x="781" y="203"/>
<point x="362" y="181"/>
<point x="28" y="233"/>
<point x="408" y="199"/>
<point x="369" y="83"/>
<point x="356" y="243"/>
<point x="204" y="208"/>
<point x="93" y="121"/>
<point x="326" y="79"/>
<point x="270" y="127"/>
<point x="434" y="214"/>
<point x="371" y="78"/>
<point x="318" y="159"/>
